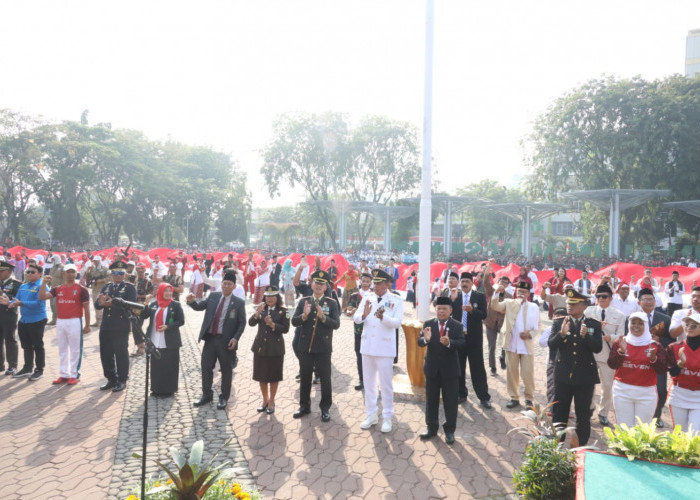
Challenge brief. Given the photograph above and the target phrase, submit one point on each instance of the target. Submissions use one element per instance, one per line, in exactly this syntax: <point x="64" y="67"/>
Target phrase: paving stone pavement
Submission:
<point x="76" y="442"/>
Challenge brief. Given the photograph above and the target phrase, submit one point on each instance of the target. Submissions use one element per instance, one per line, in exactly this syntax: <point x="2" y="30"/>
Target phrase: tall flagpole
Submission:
<point x="426" y="205"/>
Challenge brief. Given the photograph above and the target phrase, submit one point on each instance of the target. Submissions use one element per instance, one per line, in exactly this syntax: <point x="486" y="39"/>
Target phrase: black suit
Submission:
<point x="442" y="372"/>
<point x="473" y="348"/>
<point x="216" y="346"/>
<point x="314" y="348"/>
<point x="165" y="369"/>
<point x="575" y="372"/>
<point x="661" y="326"/>
<point x="114" y="332"/>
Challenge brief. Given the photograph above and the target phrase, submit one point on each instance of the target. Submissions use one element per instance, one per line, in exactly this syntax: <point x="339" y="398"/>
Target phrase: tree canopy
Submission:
<point x="92" y="184"/>
<point x="614" y="133"/>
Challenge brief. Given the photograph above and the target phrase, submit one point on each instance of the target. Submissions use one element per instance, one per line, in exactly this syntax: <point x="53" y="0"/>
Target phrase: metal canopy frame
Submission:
<point x="343" y="207"/>
<point x="616" y="201"/>
<point x="691" y="207"/>
<point x="527" y="212"/>
<point x="449" y="205"/>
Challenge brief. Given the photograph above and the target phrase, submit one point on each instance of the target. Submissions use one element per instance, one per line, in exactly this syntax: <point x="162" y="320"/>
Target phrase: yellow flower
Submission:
<point x="239" y="494"/>
<point x="169" y="481"/>
<point x="132" y="497"/>
<point x="236" y="488"/>
<point x="156" y="484"/>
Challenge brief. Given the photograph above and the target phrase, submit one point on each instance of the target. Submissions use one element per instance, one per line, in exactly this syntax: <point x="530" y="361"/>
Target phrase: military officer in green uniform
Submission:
<point x="576" y="339"/>
<point x="8" y="318"/>
<point x="318" y="316"/>
<point x="114" y="330"/>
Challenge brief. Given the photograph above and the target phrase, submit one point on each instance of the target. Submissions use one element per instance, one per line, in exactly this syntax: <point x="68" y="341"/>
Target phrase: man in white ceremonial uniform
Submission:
<point x="381" y="313"/>
<point x="613" y="322"/>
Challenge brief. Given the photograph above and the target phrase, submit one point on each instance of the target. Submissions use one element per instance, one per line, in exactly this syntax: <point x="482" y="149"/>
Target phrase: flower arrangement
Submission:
<point x="222" y="489"/>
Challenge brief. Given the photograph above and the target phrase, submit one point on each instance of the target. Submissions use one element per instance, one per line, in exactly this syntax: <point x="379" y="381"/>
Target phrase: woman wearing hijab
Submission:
<point x="287" y="280"/>
<point x="268" y="347"/>
<point x="636" y="359"/>
<point x="166" y="318"/>
<point x="684" y="396"/>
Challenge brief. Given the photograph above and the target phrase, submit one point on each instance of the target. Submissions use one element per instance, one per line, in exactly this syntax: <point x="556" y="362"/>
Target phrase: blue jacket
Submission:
<point x="32" y="308"/>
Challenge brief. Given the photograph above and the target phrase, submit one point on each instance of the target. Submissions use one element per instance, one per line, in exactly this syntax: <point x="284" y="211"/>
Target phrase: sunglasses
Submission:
<point x="691" y="327"/>
<point x="602" y="297"/>
<point x="29" y="272"/>
<point x="119" y="273"/>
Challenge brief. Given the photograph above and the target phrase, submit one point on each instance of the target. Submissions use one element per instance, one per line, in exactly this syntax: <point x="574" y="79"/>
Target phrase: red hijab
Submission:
<point x="162" y="303"/>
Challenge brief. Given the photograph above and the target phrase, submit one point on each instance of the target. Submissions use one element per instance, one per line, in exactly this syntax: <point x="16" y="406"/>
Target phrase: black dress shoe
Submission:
<point x="262" y="408"/>
<point x="119" y="386"/>
<point x="325" y="416"/>
<point x="486" y="404"/>
<point x="359" y="387"/>
<point x="108" y="386"/>
<point x="203" y="400"/>
<point x="428" y="435"/>
<point x="494" y="372"/>
<point x="222" y="403"/>
<point x="503" y="363"/>
<point x="659" y="424"/>
<point x="270" y="411"/>
<point x="301" y="412"/>
<point x="461" y="399"/>
<point x="513" y="403"/>
<point x="450" y="437"/>
<point x="528" y="403"/>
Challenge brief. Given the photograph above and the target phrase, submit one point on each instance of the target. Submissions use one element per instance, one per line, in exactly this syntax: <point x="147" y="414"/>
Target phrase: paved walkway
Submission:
<point x="76" y="442"/>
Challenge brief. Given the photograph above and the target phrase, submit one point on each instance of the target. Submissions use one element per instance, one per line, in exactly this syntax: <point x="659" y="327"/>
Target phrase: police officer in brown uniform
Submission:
<point x="95" y="278"/>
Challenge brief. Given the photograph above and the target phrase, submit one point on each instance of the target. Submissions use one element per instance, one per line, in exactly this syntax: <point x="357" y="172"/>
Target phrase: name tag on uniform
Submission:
<point x="232" y="314"/>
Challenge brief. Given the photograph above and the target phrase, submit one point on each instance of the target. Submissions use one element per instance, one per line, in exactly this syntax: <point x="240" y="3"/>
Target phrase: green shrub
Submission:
<point x="548" y="471"/>
<point x="643" y="441"/>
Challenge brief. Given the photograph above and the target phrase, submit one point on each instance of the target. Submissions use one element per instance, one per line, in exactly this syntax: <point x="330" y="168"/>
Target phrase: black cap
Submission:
<point x="575" y="297"/>
<point x="320" y="277"/>
<point x="603" y="289"/>
<point x="229" y="276"/>
<point x="675" y="272"/>
<point x="120" y="265"/>
<point x="6" y="266"/>
<point x="644" y="291"/>
<point x="466" y="275"/>
<point x="453" y="275"/>
<point x="379" y="276"/>
<point x="443" y="301"/>
<point x="524" y="285"/>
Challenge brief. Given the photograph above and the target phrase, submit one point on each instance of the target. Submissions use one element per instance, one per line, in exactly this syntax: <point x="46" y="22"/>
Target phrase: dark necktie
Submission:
<point x="602" y="315"/>
<point x="649" y="316"/>
<point x="217" y="316"/>
<point x="379" y="299"/>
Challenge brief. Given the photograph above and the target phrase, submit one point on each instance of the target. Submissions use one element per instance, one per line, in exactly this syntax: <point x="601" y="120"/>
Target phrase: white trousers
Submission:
<point x="607" y="377"/>
<point x="685" y="418"/>
<point x="382" y="367"/>
<point x="69" y="337"/>
<point x="633" y="401"/>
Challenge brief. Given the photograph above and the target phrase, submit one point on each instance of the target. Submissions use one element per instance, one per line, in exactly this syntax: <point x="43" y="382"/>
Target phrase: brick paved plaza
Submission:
<point x="76" y="442"/>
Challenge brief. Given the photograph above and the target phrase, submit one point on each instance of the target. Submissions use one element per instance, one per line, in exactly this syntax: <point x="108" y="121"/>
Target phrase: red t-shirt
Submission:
<point x="636" y="367"/>
<point x="689" y="377"/>
<point x="70" y="300"/>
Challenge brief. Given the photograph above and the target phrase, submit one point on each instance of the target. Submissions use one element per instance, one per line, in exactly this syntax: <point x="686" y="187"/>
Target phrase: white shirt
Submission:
<point x="158" y="338"/>
<point x="626" y="307"/>
<point x="678" y="290"/>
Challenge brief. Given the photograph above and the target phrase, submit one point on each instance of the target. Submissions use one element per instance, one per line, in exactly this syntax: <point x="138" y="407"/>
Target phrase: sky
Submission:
<point x="217" y="73"/>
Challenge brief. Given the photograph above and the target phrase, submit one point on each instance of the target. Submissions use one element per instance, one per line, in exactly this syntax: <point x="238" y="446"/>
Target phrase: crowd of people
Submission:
<point x="625" y="336"/>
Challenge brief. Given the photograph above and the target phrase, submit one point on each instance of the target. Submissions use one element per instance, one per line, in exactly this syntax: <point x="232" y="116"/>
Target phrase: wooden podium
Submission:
<point x="411" y="388"/>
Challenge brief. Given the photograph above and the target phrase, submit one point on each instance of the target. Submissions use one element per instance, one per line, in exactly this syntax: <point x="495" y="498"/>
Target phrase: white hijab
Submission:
<point x="643" y="339"/>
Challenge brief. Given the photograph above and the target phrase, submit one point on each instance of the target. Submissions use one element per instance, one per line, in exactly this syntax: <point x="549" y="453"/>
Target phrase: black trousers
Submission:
<point x="114" y="354"/>
<point x="449" y="388"/>
<point x="582" y="395"/>
<point x="671" y="308"/>
<point x="477" y="371"/>
<point x="215" y="348"/>
<point x="31" y="336"/>
<point x="8" y="342"/>
<point x="662" y="391"/>
<point x="358" y="343"/>
<point x="322" y="363"/>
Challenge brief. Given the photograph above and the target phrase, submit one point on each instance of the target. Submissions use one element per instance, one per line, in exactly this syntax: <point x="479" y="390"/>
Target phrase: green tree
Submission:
<point x="626" y="134"/>
<point x="482" y="224"/>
